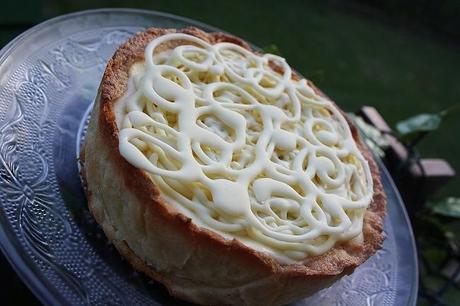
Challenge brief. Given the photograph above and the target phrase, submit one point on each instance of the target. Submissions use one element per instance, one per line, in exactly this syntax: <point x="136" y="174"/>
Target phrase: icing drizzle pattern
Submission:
<point x="235" y="143"/>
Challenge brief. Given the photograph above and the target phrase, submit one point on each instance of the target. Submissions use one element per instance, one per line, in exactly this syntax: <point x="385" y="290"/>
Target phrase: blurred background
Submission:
<point x="401" y="57"/>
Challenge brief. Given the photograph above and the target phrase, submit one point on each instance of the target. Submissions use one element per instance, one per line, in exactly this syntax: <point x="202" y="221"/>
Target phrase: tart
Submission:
<point x="224" y="175"/>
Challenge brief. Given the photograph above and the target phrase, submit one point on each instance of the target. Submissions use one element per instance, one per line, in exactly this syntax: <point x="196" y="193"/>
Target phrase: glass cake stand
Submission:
<point x="49" y="77"/>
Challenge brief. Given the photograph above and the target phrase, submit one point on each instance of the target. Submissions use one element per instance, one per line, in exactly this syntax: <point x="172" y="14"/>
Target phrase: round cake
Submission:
<point x="224" y="175"/>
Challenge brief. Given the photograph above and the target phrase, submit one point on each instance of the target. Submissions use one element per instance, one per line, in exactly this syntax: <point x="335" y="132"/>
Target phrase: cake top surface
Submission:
<point x="233" y="141"/>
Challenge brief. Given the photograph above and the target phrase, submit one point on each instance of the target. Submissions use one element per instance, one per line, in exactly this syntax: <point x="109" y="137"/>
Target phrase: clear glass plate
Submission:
<point x="49" y="76"/>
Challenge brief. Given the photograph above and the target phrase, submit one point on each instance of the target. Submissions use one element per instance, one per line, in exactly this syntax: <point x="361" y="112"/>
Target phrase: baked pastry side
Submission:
<point x="194" y="263"/>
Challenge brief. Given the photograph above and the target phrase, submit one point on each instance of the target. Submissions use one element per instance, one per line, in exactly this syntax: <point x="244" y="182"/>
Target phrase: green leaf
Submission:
<point x="419" y="123"/>
<point x="273" y="49"/>
<point x="450" y="110"/>
<point x="449" y="207"/>
<point x="372" y="136"/>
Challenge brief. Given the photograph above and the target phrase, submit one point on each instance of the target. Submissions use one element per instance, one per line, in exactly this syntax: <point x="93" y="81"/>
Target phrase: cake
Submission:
<point x="226" y="176"/>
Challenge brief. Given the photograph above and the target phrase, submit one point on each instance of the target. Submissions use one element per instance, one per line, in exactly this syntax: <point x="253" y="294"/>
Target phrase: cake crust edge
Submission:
<point x="322" y="270"/>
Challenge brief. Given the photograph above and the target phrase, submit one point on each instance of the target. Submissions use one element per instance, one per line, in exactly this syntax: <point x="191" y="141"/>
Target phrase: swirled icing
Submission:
<point x="238" y="145"/>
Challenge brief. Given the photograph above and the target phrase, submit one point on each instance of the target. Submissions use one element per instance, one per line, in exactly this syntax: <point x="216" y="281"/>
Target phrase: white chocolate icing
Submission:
<point x="242" y="149"/>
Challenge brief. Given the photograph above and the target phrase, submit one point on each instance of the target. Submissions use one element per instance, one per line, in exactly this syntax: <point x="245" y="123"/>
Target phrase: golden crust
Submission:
<point x="286" y="282"/>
